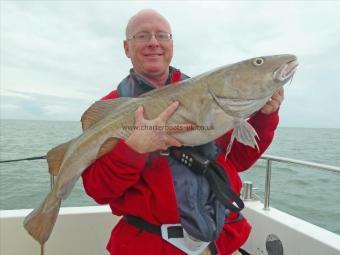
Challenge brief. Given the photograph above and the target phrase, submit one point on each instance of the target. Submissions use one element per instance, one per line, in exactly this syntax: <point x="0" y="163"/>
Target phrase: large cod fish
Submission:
<point x="221" y="99"/>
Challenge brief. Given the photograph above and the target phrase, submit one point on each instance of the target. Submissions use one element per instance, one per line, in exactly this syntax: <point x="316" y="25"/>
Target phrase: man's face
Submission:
<point x="152" y="58"/>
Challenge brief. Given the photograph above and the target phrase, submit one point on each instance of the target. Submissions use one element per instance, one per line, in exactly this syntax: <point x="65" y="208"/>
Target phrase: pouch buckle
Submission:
<point x="164" y="152"/>
<point x="177" y="236"/>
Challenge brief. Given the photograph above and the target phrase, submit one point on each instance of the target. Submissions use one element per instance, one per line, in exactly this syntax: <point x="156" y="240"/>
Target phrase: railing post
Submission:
<point x="51" y="181"/>
<point x="247" y="190"/>
<point x="267" y="184"/>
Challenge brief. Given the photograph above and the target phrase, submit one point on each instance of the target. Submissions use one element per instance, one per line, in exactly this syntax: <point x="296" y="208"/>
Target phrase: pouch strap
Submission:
<point x="172" y="233"/>
<point x="142" y="224"/>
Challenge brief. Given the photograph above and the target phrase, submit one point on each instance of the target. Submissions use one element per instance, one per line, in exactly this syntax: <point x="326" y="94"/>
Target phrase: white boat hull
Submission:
<point x="297" y="236"/>
<point x="86" y="230"/>
<point x="79" y="230"/>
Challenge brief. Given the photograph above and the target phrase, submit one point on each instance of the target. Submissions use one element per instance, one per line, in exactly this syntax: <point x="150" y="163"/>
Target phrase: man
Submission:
<point x="135" y="179"/>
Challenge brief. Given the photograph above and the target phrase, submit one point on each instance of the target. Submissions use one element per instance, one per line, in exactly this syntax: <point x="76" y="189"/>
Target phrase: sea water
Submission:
<point x="307" y="193"/>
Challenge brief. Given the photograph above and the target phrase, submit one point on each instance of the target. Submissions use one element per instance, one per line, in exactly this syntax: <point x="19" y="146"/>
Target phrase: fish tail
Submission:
<point x="40" y="222"/>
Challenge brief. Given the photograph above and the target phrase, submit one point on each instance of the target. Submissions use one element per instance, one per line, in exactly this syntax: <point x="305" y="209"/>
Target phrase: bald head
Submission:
<point x="150" y="58"/>
<point x="145" y="16"/>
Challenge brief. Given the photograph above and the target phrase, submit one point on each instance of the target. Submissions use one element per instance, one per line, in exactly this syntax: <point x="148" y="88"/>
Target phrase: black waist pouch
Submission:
<point x="201" y="214"/>
<point x="203" y="193"/>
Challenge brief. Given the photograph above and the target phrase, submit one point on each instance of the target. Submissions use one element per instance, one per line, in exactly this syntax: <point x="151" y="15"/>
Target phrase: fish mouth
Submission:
<point x="286" y="71"/>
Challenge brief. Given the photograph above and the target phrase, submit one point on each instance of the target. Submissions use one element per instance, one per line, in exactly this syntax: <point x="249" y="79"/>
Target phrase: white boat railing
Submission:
<point x="270" y="159"/>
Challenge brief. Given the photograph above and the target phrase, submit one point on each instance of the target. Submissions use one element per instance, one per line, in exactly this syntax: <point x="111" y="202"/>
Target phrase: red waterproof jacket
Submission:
<point x="141" y="185"/>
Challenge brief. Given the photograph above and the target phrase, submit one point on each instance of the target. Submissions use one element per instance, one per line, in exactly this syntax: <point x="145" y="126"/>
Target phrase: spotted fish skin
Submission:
<point x="216" y="102"/>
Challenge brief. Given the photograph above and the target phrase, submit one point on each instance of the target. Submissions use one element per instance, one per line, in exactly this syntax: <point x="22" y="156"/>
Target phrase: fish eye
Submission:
<point x="258" y="61"/>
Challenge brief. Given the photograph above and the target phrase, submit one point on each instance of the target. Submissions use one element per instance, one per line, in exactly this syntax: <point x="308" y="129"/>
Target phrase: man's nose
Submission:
<point x="153" y="41"/>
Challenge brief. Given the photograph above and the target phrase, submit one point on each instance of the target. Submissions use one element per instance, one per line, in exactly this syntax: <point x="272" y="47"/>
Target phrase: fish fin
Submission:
<point x="40" y="222"/>
<point x="232" y="138"/>
<point x="244" y="133"/>
<point x="107" y="146"/>
<point x="55" y="157"/>
<point x="100" y="109"/>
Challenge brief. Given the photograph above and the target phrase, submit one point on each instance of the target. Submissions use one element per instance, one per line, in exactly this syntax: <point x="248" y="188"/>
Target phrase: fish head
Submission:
<point x="244" y="87"/>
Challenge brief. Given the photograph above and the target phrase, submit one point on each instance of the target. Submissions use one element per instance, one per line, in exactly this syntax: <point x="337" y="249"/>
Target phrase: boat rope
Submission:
<point x="22" y="159"/>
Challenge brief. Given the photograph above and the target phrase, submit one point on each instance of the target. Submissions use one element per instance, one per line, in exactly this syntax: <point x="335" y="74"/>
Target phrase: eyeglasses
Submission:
<point x="146" y="36"/>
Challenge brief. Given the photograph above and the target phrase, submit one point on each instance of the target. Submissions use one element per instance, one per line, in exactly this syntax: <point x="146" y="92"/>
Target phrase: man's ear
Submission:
<point x="126" y="49"/>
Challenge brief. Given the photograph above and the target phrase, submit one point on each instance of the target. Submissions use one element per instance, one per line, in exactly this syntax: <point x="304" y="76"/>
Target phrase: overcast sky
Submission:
<point x="58" y="57"/>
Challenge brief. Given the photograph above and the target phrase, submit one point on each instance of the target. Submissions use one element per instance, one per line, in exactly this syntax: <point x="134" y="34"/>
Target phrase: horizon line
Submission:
<point x="56" y="120"/>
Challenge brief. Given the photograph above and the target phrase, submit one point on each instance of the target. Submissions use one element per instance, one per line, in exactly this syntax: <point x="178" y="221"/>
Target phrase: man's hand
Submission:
<point x="152" y="135"/>
<point x="273" y="103"/>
